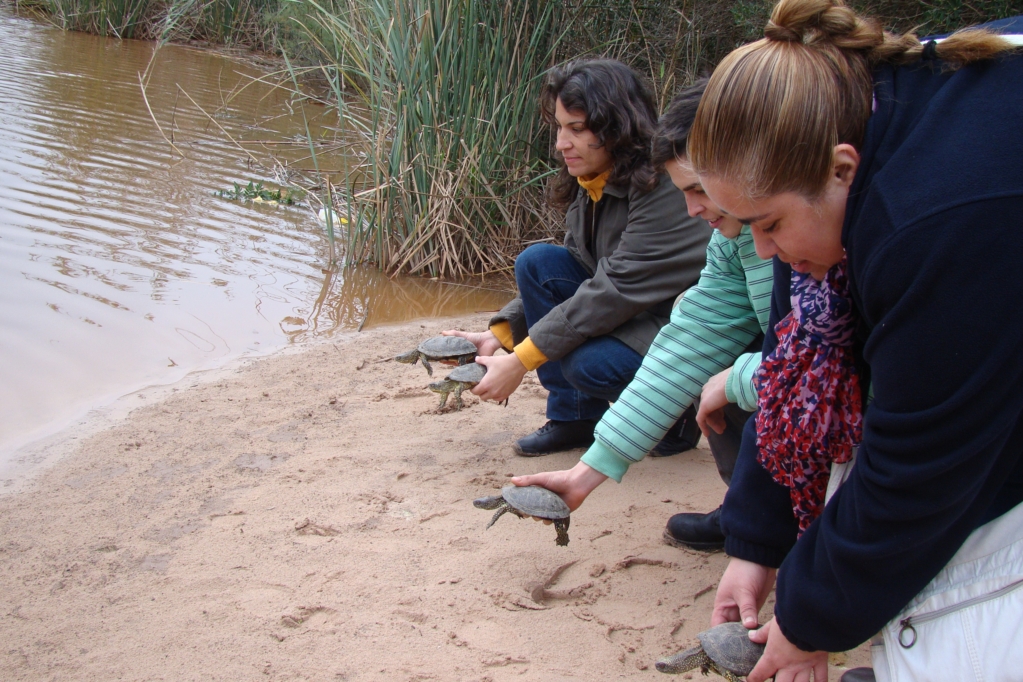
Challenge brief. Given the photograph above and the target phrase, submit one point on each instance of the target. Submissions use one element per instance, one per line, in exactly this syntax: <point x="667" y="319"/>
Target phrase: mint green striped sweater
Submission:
<point x="709" y="331"/>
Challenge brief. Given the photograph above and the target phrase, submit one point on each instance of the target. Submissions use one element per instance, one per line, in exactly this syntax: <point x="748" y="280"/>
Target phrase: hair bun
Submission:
<point x="813" y="22"/>
<point x="782" y="34"/>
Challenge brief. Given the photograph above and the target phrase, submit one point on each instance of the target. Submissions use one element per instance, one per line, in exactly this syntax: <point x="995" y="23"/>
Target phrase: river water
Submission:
<point x="119" y="269"/>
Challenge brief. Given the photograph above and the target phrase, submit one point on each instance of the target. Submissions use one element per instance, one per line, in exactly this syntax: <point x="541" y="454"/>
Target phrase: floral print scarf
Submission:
<point x="808" y="392"/>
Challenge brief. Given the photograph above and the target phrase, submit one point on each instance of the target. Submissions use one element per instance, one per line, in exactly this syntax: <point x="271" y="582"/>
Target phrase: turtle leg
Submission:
<point x="426" y="364"/>
<point x="684" y="661"/>
<point x="458" y="396"/>
<point x="723" y="672"/>
<point x="500" y="510"/>
<point x="561" y="525"/>
<point x="442" y="387"/>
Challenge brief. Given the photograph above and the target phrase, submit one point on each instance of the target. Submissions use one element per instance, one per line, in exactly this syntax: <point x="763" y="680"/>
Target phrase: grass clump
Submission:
<point x="440" y="97"/>
<point x="249" y="23"/>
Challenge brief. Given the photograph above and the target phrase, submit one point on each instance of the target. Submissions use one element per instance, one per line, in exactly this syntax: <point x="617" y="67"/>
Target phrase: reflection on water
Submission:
<point x="118" y="268"/>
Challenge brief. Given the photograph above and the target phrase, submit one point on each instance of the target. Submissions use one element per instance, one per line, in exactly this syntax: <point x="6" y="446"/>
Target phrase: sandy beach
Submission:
<point x="308" y="516"/>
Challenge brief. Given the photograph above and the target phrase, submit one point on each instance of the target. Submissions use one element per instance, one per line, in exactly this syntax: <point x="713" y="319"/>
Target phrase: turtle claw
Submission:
<point x="561" y="526"/>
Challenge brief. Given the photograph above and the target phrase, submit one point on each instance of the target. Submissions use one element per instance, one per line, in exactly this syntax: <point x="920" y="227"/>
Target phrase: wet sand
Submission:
<point x="307" y="516"/>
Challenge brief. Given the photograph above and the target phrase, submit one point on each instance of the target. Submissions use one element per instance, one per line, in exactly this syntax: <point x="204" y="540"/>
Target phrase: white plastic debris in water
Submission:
<point x="335" y="218"/>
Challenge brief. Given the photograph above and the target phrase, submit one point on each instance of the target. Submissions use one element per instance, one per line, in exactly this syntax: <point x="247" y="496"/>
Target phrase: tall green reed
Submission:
<point x="441" y="96"/>
<point x="229" y="22"/>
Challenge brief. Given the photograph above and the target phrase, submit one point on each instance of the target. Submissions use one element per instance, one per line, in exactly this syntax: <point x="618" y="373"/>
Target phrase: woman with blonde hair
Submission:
<point x="883" y="175"/>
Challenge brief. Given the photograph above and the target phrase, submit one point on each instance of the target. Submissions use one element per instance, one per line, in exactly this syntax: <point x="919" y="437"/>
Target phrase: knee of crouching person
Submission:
<point x="534" y="256"/>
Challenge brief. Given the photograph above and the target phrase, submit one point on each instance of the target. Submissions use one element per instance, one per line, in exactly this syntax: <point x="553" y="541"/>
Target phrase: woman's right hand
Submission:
<point x="486" y="343"/>
<point x="743" y="589"/>
<point x="572" y="485"/>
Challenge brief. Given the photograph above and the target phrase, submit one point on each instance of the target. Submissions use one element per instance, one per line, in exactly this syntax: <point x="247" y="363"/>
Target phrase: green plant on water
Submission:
<point x="440" y="98"/>
<point x="255" y="191"/>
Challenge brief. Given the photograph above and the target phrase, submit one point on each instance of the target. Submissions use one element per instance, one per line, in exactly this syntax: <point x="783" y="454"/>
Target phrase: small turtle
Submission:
<point x="460" y="379"/>
<point x="453" y="348"/>
<point x="530" y="500"/>
<point x="725" y="649"/>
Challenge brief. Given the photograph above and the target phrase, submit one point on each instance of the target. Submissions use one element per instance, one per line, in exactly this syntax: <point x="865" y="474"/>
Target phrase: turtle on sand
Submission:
<point x="725" y="649"/>
<point x="530" y="500"/>
<point x="440" y="348"/>
<point x="460" y="379"/>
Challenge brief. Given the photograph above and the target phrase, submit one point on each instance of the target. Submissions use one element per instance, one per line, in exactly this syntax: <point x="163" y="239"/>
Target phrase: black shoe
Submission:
<point x="858" y="675"/>
<point x="695" y="531"/>
<point x="683" y="435"/>
<point x="555" y="436"/>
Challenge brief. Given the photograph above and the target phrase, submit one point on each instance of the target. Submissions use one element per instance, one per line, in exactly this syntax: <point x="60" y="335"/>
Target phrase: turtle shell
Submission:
<point x="471" y="373"/>
<point x="533" y="500"/>
<point x="447" y="347"/>
<point x="730" y="647"/>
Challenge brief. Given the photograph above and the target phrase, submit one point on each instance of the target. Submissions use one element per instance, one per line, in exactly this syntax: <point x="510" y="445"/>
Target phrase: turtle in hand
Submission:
<point x="440" y="349"/>
<point x="725" y="649"/>
<point x="530" y="500"/>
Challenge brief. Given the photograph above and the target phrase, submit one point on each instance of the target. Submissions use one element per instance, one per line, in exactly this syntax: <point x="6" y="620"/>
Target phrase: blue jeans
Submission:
<point x="581" y="384"/>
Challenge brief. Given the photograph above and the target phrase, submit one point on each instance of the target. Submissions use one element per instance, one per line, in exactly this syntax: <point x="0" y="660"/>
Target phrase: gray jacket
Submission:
<point x="646" y="251"/>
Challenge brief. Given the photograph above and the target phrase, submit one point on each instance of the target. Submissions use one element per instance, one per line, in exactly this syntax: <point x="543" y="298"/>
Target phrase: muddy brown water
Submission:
<point x="119" y="269"/>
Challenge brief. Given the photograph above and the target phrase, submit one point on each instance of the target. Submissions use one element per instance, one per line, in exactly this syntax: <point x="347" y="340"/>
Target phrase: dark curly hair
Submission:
<point x="673" y="129"/>
<point x="619" y="110"/>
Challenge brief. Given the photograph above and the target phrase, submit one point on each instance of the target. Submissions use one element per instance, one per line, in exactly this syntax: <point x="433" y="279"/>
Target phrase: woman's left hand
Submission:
<point x="504" y="374"/>
<point x="711" y="416"/>
<point x="784" y="660"/>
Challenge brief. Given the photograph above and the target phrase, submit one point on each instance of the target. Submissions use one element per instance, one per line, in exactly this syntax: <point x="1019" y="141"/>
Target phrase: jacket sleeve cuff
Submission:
<point x="758" y="554"/>
<point x="529" y="355"/>
<point x="605" y="460"/>
<point x="503" y="331"/>
<point x="789" y="635"/>
<point x="514" y="315"/>
<point x="730" y="394"/>
<point x="739" y="388"/>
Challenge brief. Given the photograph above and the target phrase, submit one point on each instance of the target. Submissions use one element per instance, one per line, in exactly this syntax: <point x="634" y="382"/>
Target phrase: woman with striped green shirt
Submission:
<point x="711" y="347"/>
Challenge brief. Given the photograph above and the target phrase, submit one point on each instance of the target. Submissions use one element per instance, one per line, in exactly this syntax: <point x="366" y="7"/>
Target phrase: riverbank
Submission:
<point x="307" y="516"/>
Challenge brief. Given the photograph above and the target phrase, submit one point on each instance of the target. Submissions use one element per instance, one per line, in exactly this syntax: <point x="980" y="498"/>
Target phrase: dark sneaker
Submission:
<point x="695" y="531"/>
<point x="555" y="436"/>
<point x="683" y="435"/>
<point x="858" y="675"/>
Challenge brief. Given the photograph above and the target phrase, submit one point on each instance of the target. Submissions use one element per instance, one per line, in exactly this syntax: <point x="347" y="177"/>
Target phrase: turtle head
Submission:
<point x="684" y="661"/>
<point x="409" y="358"/>
<point x="444" y="386"/>
<point x="492" y="502"/>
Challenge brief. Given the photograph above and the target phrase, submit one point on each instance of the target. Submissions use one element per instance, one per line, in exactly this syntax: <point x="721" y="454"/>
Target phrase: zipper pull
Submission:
<point x="907" y="633"/>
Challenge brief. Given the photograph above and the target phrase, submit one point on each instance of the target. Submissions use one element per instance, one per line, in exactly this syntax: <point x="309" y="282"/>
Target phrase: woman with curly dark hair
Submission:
<point x="588" y="311"/>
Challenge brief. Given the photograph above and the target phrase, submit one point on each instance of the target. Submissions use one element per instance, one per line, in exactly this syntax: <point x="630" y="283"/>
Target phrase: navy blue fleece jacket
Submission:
<point x="934" y="236"/>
